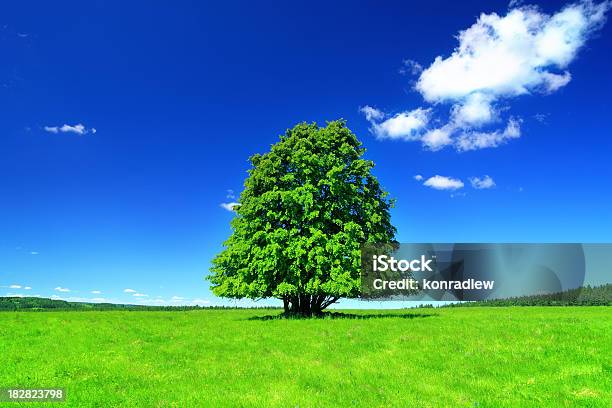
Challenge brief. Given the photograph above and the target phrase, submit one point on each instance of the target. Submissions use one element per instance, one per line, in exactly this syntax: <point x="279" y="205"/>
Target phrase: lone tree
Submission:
<point x="306" y="208"/>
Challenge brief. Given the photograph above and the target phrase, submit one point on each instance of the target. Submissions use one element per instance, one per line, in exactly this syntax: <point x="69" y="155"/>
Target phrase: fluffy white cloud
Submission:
<point x="418" y="177"/>
<point x="15" y="287"/>
<point x="78" y="129"/>
<point x="443" y="183"/>
<point x="482" y="183"/>
<point x="129" y="291"/>
<point x="60" y="289"/>
<point x="140" y="295"/>
<point x="511" y="55"/>
<point x="404" y="125"/>
<point x="27" y="288"/>
<point x="499" y="57"/>
<point x="475" y="111"/>
<point x="96" y="292"/>
<point x="229" y="206"/>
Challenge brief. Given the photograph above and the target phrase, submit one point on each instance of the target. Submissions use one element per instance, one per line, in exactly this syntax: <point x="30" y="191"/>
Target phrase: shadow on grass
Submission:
<point x="338" y="315"/>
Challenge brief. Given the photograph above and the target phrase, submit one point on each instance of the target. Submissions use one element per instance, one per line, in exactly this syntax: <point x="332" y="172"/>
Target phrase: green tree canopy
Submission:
<point x="306" y="207"/>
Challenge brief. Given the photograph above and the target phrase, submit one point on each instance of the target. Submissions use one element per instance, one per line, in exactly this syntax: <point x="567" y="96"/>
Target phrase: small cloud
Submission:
<point x="410" y="67"/>
<point x="482" y="140"/>
<point x="229" y="206"/>
<point x="482" y="183"/>
<point x="406" y="125"/>
<point x="33" y="253"/>
<point x="60" y="289"/>
<point x="418" y="177"/>
<point x="78" y="129"/>
<point x="27" y="288"/>
<point x="177" y="298"/>
<point x="15" y="287"/>
<point x="96" y="292"/>
<point x="140" y="295"/>
<point x="371" y="114"/>
<point x="541" y="117"/>
<point x="99" y="300"/>
<point x="436" y="139"/>
<point x="443" y="183"/>
<point x="515" y="3"/>
<point x="230" y="194"/>
<point x="459" y="194"/>
<point x="129" y="291"/>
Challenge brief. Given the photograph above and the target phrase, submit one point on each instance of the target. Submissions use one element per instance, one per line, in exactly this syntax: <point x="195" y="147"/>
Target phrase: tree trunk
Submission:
<point x="307" y="305"/>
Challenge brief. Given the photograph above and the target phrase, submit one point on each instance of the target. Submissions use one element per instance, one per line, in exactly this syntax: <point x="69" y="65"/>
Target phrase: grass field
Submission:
<point x="529" y="356"/>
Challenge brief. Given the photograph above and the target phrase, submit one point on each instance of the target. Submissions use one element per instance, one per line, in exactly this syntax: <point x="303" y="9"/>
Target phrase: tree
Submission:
<point x="306" y="207"/>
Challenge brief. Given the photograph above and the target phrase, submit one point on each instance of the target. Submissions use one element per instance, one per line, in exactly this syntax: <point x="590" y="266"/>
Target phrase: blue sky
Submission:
<point x="125" y="125"/>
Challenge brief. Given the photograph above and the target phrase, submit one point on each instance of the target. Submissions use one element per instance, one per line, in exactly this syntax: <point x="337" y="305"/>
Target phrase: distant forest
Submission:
<point x="44" y="304"/>
<point x="584" y="296"/>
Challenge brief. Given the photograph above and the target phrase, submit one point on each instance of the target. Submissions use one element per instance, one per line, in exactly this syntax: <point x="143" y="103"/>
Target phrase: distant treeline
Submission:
<point x="583" y="296"/>
<point x="42" y="304"/>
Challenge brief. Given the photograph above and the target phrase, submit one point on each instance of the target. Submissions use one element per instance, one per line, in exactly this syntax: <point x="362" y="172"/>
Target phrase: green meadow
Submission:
<point x="456" y="357"/>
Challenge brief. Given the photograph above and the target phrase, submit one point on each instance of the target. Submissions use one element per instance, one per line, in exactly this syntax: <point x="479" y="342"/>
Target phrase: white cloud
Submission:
<point x="410" y="67"/>
<point x="140" y="295"/>
<point x="540" y="117"/>
<point x="482" y="183"/>
<point x="27" y="288"/>
<point x="511" y="55"/>
<point x="129" y="291"/>
<point x="60" y="289"/>
<point x="443" y="183"/>
<point x="515" y="3"/>
<point x="371" y="114"/>
<point x="33" y="253"/>
<point x="99" y="300"/>
<point x="229" y="206"/>
<point x="404" y="125"/>
<point x="473" y="140"/>
<point x="78" y="129"/>
<point x="177" y="298"/>
<point x="475" y="111"/>
<point x="96" y="292"/>
<point x="498" y="58"/>
<point x="418" y="177"/>
<point x="556" y="81"/>
<point x="436" y="139"/>
<point x="15" y="287"/>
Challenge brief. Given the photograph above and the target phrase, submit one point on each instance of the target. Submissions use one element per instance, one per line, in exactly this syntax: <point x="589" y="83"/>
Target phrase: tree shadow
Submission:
<point x="339" y="315"/>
